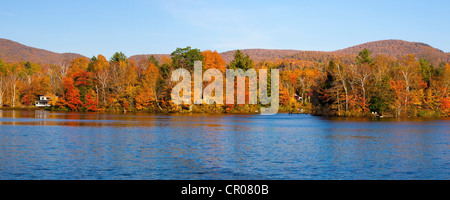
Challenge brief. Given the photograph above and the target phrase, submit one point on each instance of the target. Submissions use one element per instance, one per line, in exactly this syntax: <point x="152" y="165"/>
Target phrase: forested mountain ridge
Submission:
<point x="398" y="49"/>
<point x="255" y="54"/>
<point x="392" y="48"/>
<point x="13" y="52"/>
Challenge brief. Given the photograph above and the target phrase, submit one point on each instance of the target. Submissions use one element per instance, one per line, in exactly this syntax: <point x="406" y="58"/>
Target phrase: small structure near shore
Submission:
<point x="43" y="101"/>
<point x="298" y="98"/>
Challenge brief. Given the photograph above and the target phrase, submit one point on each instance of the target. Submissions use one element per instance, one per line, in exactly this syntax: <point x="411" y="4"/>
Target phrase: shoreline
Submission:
<point x="212" y="113"/>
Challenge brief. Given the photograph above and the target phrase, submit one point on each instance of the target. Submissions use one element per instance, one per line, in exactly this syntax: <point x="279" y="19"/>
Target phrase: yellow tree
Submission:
<point x="129" y="79"/>
<point x="102" y="72"/>
<point x="304" y="79"/>
<point x="398" y="89"/>
<point x="446" y="79"/>
<point x="78" y="64"/>
<point x="361" y="74"/>
<point x="213" y="60"/>
<point x="147" y="91"/>
<point x="13" y="72"/>
<point x="123" y="81"/>
<point x="342" y="76"/>
<point x="3" y="86"/>
<point x="445" y="99"/>
<point x="409" y="70"/>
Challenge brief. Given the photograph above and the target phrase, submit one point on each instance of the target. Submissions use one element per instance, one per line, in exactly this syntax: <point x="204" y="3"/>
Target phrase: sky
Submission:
<point x="159" y="27"/>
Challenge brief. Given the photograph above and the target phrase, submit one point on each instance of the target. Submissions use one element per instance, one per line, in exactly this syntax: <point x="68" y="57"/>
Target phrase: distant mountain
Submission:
<point x="158" y="57"/>
<point x="255" y="54"/>
<point x="12" y="52"/>
<point x="400" y="48"/>
<point x="260" y="54"/>
<point x="393" y="48"/>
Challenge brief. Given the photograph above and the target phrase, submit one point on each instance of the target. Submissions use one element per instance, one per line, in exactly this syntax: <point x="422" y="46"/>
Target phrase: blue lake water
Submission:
<point x="49" y="145"/>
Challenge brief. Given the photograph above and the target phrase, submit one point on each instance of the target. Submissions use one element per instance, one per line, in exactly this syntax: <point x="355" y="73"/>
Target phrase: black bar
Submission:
<point x="230" y="189"/>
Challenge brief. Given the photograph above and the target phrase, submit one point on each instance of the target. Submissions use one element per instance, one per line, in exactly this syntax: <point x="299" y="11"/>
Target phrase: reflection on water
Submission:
<point x="48" y="145"/>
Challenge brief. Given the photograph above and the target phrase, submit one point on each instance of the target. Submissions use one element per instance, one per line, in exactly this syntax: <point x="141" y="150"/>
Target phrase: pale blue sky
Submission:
<point x="142" y="27"/>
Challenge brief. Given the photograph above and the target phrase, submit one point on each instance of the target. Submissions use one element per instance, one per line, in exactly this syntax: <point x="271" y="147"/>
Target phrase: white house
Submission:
<point x="43" y="101"/>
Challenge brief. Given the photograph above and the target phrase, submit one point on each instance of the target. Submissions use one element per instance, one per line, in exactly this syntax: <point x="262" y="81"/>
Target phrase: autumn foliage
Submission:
<point x="71" y="94"/>
<point x="333" y="84"/>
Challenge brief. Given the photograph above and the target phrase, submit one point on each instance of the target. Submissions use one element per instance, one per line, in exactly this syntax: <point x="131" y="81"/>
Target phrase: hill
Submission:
<point x="137" y="58"/>
<point x="400" y="48"/>
<point x="393" y="48"/>
<point x="255" y="54"/>
<point x="260" y="54"/>
<point x="12" y="52"/>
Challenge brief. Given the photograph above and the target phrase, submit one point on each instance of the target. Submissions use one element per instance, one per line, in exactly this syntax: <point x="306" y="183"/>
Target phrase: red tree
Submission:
<point x="91" y="101"/>
<point x="72" y="95"/>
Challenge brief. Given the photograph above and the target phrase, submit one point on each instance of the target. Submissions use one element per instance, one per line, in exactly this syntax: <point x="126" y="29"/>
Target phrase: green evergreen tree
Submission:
<point x="185" y="57"/>
<point x="241" y="61"/>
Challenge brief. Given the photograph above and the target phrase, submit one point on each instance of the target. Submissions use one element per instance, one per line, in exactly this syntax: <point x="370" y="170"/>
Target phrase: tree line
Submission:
<point x="336" y="86"/>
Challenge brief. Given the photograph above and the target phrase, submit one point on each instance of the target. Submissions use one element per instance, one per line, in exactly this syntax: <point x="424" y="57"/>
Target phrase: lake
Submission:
<point x="51" y="145"/>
